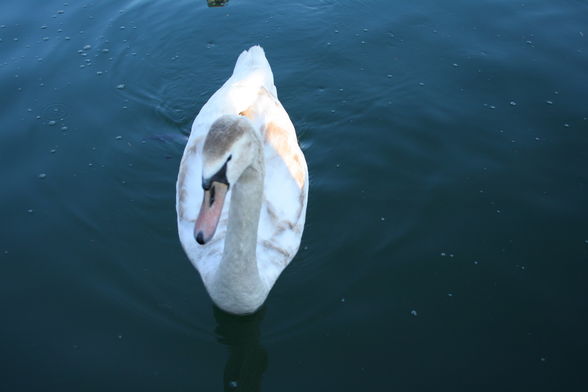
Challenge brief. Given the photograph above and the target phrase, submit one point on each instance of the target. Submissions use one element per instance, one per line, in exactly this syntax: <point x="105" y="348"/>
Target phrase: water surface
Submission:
<point x="446" y="244"/>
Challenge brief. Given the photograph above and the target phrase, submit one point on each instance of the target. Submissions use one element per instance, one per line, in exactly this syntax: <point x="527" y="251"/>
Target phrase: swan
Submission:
<point x="242" y="188"/>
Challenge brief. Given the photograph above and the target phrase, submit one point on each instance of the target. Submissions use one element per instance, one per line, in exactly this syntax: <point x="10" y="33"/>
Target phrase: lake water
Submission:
<point x="446" y="245"/>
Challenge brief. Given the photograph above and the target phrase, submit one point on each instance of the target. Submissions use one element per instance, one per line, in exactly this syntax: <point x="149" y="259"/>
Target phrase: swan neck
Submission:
<point x="238" y="285"/>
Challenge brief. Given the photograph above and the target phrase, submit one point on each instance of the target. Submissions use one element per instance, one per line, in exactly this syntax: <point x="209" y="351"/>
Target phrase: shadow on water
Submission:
<point x="217" y="3"/>
<point x="247" y="357"/>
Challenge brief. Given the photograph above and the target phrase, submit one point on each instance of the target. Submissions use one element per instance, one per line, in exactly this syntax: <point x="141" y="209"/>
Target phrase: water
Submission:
<point x="446" y="244"/>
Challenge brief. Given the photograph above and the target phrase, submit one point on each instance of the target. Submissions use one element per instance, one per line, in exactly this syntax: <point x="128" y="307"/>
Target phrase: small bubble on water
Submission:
<point x="118" y="137"/>
<point x="64" y="128"/>
<point x="443" y="254"/>
<point x="421" y="83"/>
<point x="53" y="151"/>
<point x="87" y="47"/>
<point x="67" y="38"/>
<point x="450" y="294"/>
<point x="233" y="384"/>
<point x="566" y="125"/>
<point x="42" y="176"/>
<point x="45" y="38"/>
<point x="476" y="262"/>
<point x="342" y="299"/>
<point x="414" y="313"/>
<point x="30" y="210"/>
<point x="120" y="86"/>
<point x="549" y="102"/>
<point x="513" y="103"/>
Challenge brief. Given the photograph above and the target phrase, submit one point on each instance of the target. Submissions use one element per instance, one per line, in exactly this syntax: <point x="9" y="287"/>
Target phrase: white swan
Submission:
<point x="242" y="188"/>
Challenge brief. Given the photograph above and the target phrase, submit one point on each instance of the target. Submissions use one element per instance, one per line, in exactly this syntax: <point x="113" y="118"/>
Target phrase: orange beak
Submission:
<point x="210" y="212"/>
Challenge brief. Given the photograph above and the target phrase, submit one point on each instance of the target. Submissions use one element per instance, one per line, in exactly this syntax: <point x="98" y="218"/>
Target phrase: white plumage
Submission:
<point x="250" y="93"/>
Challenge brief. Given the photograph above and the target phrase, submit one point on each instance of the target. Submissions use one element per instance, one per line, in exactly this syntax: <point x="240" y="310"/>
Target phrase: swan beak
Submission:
<point x="210" y="212"/>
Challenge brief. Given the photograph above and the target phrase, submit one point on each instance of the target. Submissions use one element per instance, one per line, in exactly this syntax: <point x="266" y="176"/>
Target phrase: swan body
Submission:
<point x="242" y="188"/>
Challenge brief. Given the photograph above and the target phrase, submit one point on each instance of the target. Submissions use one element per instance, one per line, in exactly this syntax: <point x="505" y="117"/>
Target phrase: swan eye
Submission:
<point x="211" y="200"/>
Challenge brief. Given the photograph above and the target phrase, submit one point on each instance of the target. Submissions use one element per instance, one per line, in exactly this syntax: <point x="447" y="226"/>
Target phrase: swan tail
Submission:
<point x="252" y="65"/>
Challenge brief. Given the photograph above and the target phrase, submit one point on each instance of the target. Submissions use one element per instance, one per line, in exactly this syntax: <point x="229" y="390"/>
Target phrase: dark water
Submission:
<point x="446" y="245"/>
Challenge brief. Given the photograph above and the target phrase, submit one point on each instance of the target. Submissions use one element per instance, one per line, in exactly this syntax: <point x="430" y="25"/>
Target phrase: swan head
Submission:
<point x="229" y="149"/>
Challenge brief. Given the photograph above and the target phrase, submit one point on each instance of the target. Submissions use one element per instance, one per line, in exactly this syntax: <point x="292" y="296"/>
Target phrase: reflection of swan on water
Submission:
<point x="217" y="3"/>
<point x="247" y="358"/>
